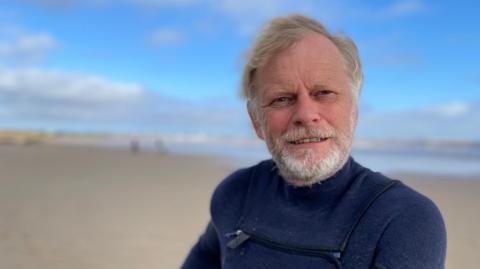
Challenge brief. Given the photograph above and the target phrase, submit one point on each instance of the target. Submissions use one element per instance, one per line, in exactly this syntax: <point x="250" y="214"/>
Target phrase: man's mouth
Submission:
<point x="308" y="140"/>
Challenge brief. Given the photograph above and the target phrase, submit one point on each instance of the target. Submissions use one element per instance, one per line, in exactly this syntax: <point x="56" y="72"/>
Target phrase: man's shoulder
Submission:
<point x="412" y="223"/>
<point x="402" y="200"/>
<point x="406" y="218"/>
<point x="397" y="201"/>
<point x="399" y="191"/>
<point x="414" y="205"/>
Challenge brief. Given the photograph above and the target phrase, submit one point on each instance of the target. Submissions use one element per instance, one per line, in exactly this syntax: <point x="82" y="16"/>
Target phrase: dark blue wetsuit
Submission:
<point x="355" y="219"/>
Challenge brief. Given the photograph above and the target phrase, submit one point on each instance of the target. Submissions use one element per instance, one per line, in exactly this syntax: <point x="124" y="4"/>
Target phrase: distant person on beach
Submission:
<point x="134" y="146"/>
<point x="313" y="205"/>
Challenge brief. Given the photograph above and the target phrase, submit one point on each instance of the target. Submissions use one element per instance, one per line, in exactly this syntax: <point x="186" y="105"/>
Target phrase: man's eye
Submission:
<point x="324" y="92"/>
<point x="325" y="95"/>
<point x="281" y="101"/>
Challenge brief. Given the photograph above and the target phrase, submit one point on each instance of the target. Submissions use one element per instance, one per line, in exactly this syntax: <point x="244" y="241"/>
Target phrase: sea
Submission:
<point x="443" y="158"/>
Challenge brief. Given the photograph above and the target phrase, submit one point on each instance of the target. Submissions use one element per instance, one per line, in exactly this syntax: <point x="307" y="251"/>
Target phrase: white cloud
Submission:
<point x="45" y="84"/>
<point x="45" y="93"/>
<point x="166" y="37"/>
<point x="250" y="15"/>
<point x="452" y="109"/>
<point x="18" y="46"/>
<point x="247" y="15"/>
<point x="40" y="98"/>
<point x="395" y="10"/>
<point x="452" y="120"/>
<point x="403" y="8"/>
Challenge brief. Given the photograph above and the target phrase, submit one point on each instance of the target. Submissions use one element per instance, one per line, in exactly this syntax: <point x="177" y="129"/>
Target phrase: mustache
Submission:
<point x="303" y="133"/>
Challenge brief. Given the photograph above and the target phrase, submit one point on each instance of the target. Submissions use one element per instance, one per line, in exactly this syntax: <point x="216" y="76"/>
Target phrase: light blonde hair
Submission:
<point x="283" y="32"/>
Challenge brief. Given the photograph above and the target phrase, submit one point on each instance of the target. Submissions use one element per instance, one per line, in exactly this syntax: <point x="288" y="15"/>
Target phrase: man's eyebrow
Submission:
<point x="320" y="86"/>
<point x="277" y="92"/>
<point x="280" y="91"/>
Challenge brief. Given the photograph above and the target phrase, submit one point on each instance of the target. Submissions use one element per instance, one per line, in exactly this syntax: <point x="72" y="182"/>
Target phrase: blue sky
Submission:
<point x="175" y="66"/>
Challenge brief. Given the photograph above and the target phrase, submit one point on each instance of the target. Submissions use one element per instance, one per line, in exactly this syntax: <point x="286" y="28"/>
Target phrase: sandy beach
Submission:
<point x="86" y="207"/>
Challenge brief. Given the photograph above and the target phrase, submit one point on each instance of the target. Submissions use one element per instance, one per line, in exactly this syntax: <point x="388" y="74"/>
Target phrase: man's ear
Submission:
<point x="254" y="119"/>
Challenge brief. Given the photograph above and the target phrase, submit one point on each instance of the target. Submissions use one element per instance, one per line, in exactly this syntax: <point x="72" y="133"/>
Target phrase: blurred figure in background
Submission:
<point x="312" y="205"/>
<point x="134" y="146"/>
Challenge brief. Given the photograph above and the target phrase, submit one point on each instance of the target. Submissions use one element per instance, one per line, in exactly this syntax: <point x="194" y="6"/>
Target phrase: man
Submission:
<point x="313" y="206"/>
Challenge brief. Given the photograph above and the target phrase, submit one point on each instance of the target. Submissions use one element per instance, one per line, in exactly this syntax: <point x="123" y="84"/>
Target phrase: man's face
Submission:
<point x="306" y="110"/>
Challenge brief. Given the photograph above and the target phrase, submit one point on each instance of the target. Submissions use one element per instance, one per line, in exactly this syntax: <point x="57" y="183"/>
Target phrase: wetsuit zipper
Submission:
<point x="241" y="236"/>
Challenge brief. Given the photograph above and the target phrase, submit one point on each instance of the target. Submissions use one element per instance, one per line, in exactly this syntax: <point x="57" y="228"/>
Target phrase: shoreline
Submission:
<point x="424" y="157"/>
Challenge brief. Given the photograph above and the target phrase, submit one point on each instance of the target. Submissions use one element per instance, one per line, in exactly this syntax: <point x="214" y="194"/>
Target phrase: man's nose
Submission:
<point x="306" y="112"/>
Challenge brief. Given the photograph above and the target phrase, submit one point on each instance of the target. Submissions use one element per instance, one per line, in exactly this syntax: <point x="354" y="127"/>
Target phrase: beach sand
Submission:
<point x="85" y="207"/>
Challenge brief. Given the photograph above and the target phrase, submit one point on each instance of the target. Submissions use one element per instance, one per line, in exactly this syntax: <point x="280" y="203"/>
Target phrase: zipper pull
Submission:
<point x="240" y="237"/>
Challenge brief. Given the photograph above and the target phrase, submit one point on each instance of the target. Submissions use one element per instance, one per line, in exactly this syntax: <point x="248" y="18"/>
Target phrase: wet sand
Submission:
<point x="85" y="207"/>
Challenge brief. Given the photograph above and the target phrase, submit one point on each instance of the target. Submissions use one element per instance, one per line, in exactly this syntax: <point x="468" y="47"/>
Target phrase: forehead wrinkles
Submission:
<point x="313" y="60"/>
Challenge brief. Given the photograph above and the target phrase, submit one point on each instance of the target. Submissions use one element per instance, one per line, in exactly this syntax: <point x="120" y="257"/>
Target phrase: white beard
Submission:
<point x="308" y="170"/>
<point x="306" y="167"/>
